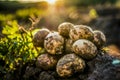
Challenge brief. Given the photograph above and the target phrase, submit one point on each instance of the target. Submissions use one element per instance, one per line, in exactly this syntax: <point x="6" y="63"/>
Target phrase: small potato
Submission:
<point x="39" y="36"/>
<point x="65" y="28"/>
<point x="99" y="38"/>
<point x="81" y="32"/>
<point x="84" y="48"/>
<point x="46" y="61"/>
<point x="70" y="64"/>
<point x="68" y="45"/>
<point x="54" y="43"/>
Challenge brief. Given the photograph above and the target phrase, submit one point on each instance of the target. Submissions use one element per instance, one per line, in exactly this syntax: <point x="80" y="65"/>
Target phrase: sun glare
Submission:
<point x="51" y="1"/>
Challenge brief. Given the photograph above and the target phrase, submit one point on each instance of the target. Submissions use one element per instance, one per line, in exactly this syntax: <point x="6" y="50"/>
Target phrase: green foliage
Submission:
<point x="25" y="13"/>
<point x="21" y="15"/>
<point x="16" y="48"/>
<point x="10" y="29"/>
<point x="6" y="17"/>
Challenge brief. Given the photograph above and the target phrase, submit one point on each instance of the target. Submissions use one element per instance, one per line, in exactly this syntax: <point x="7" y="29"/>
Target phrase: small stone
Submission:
<point x="84" y="48"/>
<point x="81" y="32"/>
<point x="65" y="28"/>
<point x="46" y="61"/>
<point x="39" y="36"/>
<point x="54" y="43"/>
<point x="70" y="64"/>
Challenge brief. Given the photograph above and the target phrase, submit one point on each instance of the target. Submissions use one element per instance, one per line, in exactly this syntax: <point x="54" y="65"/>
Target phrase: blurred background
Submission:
<point x="19" y="17"/>
<point x="103" y="15"/>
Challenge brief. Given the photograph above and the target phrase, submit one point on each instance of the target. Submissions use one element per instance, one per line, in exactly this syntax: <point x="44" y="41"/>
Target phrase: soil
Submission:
<point x="100" y="68"/>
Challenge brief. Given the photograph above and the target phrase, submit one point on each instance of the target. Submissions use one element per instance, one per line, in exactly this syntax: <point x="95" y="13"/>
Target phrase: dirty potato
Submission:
<point x="70" y="64"/>
<point x="54" y="43"/>
<point x="84" y="48"/>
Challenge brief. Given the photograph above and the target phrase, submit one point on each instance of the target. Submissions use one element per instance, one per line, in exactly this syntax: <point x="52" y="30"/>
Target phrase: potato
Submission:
<point x="54" y="43"/>
<point x="70" y="64"/>
<point x="81" y="32"/>
<point x="99" y="39"/>
<point x="39" y="36"/>
<point x="46" y="61"/>
<point x="84" y="48"/>
<point x="65" y="28"/>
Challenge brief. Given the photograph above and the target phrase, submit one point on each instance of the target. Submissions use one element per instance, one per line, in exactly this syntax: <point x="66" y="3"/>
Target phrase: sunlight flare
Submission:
<point x="51" y="1"/>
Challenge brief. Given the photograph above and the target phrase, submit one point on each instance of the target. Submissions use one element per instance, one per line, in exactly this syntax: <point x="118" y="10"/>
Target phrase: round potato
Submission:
<point x="81" y="32"/>
<point x="54" y="43"/>
<point x="65" y="28"/>
<point x="39" y="36"/>
<point x="70" y="64"/>
<point x="84" y="48"/>
<point x="99" y="39"/>
<point x="46" y="61"/>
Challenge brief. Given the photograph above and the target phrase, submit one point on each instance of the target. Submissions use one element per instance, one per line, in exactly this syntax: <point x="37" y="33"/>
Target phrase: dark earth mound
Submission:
<point x="103" y="67"/>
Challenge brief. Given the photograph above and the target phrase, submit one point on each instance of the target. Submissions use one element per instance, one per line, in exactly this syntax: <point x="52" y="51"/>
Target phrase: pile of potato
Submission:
<point x="68" y="49"/>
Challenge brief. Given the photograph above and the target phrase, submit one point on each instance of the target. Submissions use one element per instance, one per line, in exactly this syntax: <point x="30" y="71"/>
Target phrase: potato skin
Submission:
<point x="39" y="36"/>
<point x="81" y="32"/>
<point x="99" y="38"/>
<point x="68" y="45"/>
<point x="46" y="61"/>
<point x="64" y="29"/>
<point x="69" y="64"/>
<point x="84" y="48"/>
<point x="54" y="43"/>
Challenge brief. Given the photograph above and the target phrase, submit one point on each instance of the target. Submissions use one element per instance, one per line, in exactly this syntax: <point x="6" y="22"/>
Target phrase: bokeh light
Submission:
<point x="51" y="1"/>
